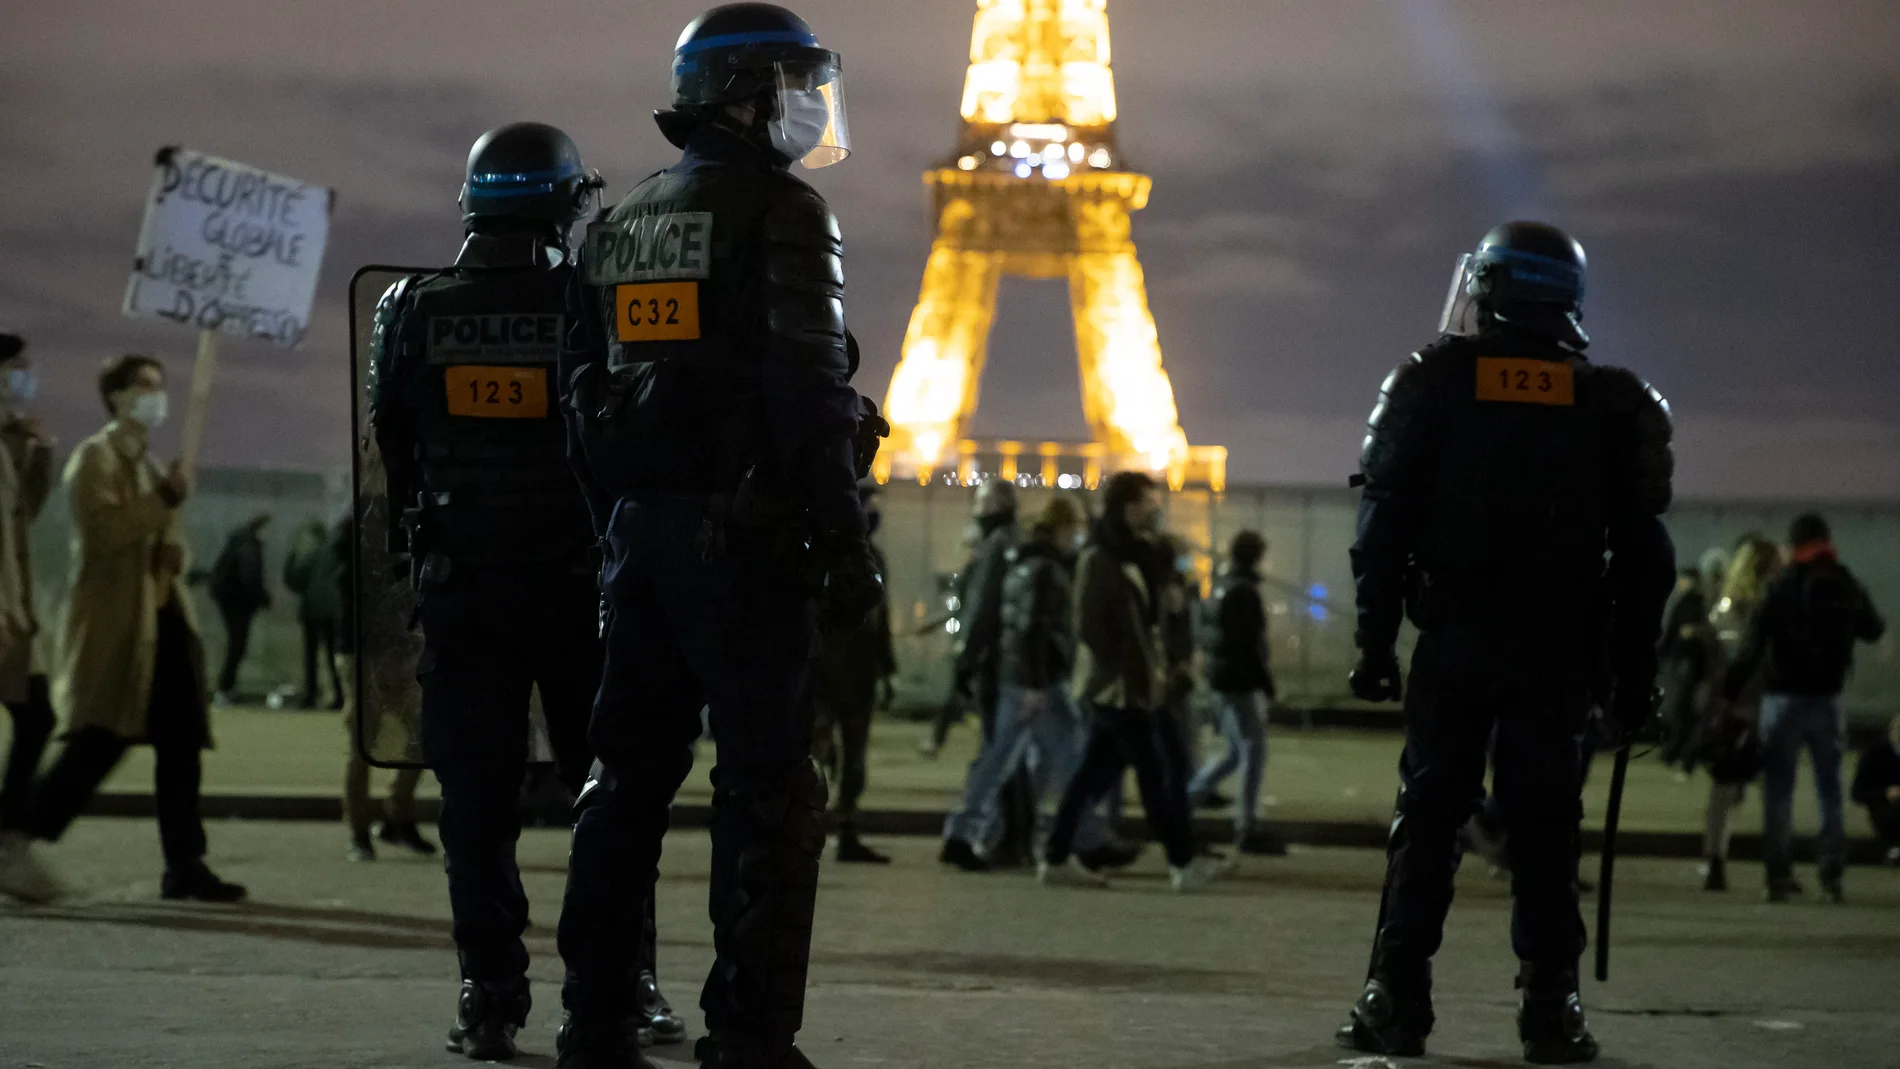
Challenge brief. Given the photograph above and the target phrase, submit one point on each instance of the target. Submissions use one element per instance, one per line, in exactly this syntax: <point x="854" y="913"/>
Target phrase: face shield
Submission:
<point x="810" y="125"/>
<point x="1456" y="316"/>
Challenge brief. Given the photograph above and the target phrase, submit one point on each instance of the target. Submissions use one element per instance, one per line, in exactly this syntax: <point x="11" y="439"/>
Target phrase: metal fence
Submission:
<point x="924" y="539"/>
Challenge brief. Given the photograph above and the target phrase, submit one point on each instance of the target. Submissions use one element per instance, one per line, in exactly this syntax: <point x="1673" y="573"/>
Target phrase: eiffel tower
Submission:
<point x="1037" y="189"/>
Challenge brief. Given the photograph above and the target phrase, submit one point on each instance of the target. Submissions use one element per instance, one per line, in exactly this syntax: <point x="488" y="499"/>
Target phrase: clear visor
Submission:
<point x="1456" y="316"/>
<point x="811" y="126"/>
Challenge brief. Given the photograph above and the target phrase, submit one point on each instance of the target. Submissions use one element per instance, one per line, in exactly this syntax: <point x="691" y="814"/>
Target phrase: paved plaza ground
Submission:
<point x="1321" y="775"/>
<point x="340" y="965"/>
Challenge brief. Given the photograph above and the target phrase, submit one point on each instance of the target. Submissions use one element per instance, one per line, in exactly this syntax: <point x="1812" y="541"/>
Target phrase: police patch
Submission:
<point x="507" y="338"/>
<point x="649" y="248"/>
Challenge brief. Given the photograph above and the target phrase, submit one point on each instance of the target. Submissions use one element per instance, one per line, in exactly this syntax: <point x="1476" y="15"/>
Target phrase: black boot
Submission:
<point x="962" y="855"/>
<point x="406" y="834"/>
<point x="851" y="849"/>
<point x="607" y="1046"/>
<point x="1391" y="1019"/>
<point x="486" y="1019"/>
<point x="1717" y="879"/>
<point x="659" y="1025"/>
<point x="714" y="1054"/>
<point x="1550" y="1018"/>
<point x="196" y="882"/>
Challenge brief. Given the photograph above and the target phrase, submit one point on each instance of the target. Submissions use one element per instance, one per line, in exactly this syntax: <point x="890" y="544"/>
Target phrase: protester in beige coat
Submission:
<point x="130" y="666"/>
<point x="26" y="470"/>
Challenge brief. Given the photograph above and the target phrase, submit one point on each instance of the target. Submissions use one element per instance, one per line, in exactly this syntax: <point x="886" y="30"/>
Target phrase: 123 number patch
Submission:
<point x="1526" y="382"/>
<point x="657" y="311"/>
<point x="498" y="392"/>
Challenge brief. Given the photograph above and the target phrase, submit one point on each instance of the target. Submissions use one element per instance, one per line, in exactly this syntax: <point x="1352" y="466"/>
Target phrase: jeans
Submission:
<point x="1034" y="727"/>
<point x="1243" y="724"/>
<point x="1788" y="723"/>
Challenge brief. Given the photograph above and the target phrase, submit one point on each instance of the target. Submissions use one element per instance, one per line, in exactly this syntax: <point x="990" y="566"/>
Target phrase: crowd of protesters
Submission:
<point x="1756" y="651"/>
<point x="1080" y="646"/>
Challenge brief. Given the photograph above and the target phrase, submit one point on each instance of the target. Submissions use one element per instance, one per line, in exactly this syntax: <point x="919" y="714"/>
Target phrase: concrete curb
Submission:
<point x="920" y="822"/>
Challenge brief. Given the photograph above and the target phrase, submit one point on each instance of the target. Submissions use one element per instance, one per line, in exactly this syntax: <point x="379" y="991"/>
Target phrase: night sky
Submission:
<point x="1732" y="166"/>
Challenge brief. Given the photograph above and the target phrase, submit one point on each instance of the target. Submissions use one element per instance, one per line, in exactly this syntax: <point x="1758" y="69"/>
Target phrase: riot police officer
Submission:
<point x="463" y="406"/>
<point x="721" y="445"/>
<point x="1501" y="470"/>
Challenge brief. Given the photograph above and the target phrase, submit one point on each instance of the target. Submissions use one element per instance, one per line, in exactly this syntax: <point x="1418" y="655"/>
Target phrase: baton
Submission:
<point x="1607" y="875"/>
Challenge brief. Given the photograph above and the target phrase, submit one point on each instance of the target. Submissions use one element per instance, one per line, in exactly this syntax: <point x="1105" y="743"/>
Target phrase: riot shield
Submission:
<point x="388" y="703"/>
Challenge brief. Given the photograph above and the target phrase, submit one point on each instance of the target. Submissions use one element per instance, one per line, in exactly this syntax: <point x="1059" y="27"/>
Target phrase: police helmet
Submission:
<point x="1525" y="264"/>
<point x="766" y="55"/>
<point x="527" y="170"/>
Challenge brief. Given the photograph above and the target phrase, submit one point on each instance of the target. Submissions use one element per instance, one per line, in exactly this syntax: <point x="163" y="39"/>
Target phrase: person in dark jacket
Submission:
<point x="1877" y="786"/>
<point x="310" y="573"/>
<point x="853" y="663"/>
<point x="1803" y="638"/>
<point x="1120" y="680"/>
<point x="1036" y="650"/>
<point x="1239" y="674"/>
<point x="237" y="588"/>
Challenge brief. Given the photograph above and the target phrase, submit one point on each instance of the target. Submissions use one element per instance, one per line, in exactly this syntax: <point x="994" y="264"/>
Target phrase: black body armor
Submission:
<point x="466" y="410"/>
<point x="710" y="357"/>
<point x="1512" y="495"/>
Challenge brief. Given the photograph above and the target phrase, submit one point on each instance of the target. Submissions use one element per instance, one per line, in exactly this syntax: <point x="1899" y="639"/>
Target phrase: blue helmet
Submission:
<point x="731" y="54"/>
<point x="766" y="56"/>
<point x="1527" y="264"/>
<point x="527" y="170"/>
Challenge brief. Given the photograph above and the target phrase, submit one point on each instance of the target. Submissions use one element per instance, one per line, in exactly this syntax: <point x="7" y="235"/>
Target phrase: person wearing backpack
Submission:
<point x="1803" y="637"/>
<point x="1233" y="634"/>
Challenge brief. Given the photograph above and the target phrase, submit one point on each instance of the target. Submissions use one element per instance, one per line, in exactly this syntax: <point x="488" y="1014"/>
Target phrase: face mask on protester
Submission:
<point x="149" y="409"/>
<point x="21" y="385"/>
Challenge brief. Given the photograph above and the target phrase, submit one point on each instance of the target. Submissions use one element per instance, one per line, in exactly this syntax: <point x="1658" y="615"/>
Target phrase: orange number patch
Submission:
<point x="498" y="392"/>
<point x="657" y="311"/>
<point x="1527" y="382"/>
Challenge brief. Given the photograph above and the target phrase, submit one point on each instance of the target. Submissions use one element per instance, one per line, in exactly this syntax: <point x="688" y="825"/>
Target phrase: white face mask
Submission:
<point x="149" y="409"/>
<point x="21" y="385"/>
<point x="802" y="126"/>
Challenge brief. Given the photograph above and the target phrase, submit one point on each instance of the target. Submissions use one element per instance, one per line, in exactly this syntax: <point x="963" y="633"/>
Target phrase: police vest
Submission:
<point x="667" y="403"/>
<point x="480" y="354"/>
<point x="1516" y="499"/>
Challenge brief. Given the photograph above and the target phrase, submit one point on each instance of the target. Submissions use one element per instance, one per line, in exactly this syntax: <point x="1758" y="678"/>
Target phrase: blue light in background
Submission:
<point x="1316" y="602"/>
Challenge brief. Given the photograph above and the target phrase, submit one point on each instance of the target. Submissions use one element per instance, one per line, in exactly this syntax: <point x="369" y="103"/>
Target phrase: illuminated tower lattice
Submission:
<point x="1036" y="189"/>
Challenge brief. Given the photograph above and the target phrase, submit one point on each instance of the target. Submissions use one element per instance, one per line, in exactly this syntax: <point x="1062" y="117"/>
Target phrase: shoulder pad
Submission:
<point x="1643" y="414"/>
<point x="804" y="273"/>
<point x="1403" y="398"/>
<point x="802" y="217"/>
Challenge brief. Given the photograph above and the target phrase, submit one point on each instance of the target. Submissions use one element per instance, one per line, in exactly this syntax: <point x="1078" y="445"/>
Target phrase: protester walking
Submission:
<point x="1234" y="640"/>
<point x="238" y="590"/>
<point x="26" y="473"/>
<point x="1728" y="739"/>
<point x="1120" y="681"/>
<point x="131" y="667"/>
<point x="310" y="574"/>
<point x="1803" y="638"/>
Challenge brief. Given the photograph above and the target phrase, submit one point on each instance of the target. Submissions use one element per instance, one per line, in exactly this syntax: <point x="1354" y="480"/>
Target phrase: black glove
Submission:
<point x="872" y="429"/>
<point x="853" y="586"/>
<point x="1631" y="711"/>
<point x="1376" y="676"/>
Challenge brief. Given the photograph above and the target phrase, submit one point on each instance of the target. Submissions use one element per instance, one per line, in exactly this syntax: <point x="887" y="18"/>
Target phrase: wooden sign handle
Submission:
<point x="202" y="374"/>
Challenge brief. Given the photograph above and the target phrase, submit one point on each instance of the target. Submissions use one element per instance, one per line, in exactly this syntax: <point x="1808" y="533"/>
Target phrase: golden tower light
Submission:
<point x="1036" y="189"/>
